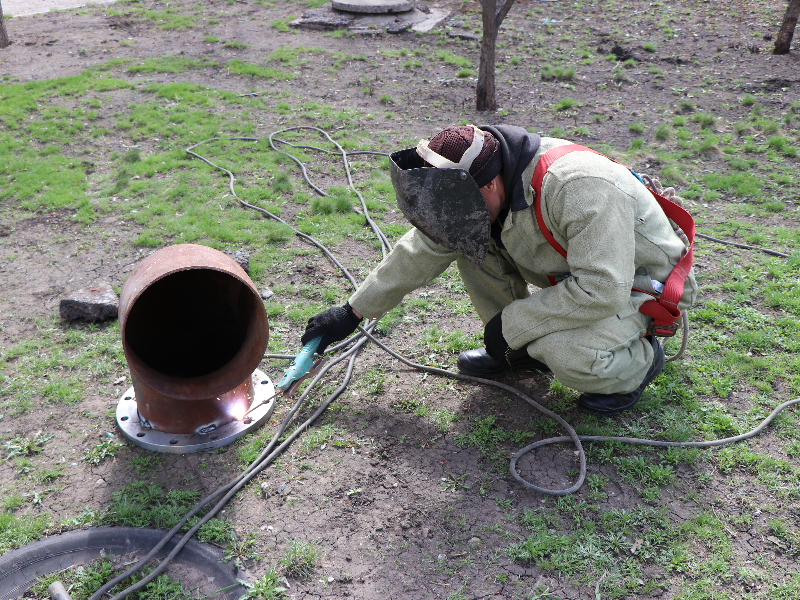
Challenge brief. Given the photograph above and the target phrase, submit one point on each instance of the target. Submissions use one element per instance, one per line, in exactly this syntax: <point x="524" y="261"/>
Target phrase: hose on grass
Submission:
<point x="572" y="435"/>
<point x="270" y="452"/>
<point x="264" y="459"/>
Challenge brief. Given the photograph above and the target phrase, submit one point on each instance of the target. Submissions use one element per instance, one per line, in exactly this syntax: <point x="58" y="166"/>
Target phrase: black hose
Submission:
<point x="738" y="245"/>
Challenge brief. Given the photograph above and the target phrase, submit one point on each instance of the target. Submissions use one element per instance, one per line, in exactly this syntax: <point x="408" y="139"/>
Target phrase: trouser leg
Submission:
<point x="607" y="357"/>
<point x="492" y="287"/>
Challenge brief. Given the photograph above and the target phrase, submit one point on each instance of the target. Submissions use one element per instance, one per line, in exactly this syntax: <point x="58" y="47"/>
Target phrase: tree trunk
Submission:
<point x="784" y="39"/>
<point x="486" y="97"/>
<point x="492" y="18"/>
<point x="4" y="41"/>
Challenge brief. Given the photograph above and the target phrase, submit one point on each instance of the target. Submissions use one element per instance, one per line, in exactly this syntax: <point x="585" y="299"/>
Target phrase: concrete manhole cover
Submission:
<point x="373" y="6"/>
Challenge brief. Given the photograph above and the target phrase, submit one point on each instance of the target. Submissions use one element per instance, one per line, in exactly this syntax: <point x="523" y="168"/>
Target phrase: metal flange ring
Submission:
<point x="137" y="431"/>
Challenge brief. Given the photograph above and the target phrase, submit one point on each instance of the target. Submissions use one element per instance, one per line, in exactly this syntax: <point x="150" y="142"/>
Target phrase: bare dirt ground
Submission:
<point x="384" y="507"/>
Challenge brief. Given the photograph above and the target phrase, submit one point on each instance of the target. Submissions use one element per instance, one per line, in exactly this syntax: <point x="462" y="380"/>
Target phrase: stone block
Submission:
<point x="96" y="303"/>
<point x="241" y="258"/>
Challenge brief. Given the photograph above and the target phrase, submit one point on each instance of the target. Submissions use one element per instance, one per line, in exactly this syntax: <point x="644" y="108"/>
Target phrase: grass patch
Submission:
<point x="300" y="558"/>
<point x="84" y="581"/>
<point x="491" y="440"/>
<point x="449" y="58"/>
<point x="557" y="73"/>
<point x="16" y="531"/>
<point x="170" y="64"/>
<point x="565" y="104"/>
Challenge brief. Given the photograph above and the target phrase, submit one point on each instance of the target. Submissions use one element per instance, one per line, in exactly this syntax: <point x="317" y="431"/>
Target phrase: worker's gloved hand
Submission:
<point x="334" y="325"/>
<point x="496" y="345"/>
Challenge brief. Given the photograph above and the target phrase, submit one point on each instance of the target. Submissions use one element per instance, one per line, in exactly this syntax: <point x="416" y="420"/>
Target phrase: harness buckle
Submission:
<point x="662" y="329"/>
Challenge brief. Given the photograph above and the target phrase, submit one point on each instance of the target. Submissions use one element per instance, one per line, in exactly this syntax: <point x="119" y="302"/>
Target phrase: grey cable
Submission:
<point x="684" y="337"/>
<point x="572" y="434"/>
<point x="385" y="245"/>
<point x="264" y="459"/>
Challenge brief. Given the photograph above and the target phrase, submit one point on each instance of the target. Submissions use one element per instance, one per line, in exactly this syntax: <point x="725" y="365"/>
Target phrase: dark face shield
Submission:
<point x="444" y="204"/>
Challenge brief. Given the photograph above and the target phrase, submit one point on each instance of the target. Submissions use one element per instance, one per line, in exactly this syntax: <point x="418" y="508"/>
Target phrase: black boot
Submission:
<point x="605" y="405"/>
<point x="478" y="363"/>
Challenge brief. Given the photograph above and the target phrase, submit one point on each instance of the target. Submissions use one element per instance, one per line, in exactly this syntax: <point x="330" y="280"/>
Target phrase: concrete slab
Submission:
<point x="324" y="17"/>
<point x="435" y="17"/>
<point x="373" y="6"/>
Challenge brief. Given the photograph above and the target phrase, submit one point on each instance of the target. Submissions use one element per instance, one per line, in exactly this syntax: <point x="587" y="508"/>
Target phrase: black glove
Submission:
<point x="333" y="325"/>
<point x="496" y="345"/>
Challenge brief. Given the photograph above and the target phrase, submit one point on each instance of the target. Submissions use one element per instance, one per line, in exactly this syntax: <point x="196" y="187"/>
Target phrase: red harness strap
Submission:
<point x="664" y="308"/>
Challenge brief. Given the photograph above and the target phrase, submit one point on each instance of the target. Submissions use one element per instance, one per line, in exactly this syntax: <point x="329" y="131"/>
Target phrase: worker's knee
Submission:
<point x="600" y="359"/>
<point x="601" y="371"/>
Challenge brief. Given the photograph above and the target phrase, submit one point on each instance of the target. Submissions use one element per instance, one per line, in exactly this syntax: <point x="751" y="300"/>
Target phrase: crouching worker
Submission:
<point x="588" y="233"/>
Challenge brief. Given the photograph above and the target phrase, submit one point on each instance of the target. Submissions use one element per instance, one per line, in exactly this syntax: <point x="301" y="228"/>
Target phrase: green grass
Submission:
<point x="491" y="440"/>
<point x="168" y="18"/>
<point x="16" y="531"/>
<point x="24" y="446"/>
<point x="583" y="542"/>
<point x="300" y="558"/>
<point x="84" y="581"/>
<point x="449" y="58"/>
<point x="268" y="587"/>
<point x="317" y="437"/>
<point x="143" y="504"/>
<point x="170" y="64"/>
<point x="283" y="24"/>
<point x="743" y="185"/>
<point x="565" y="104"/>
<point x="239" y="67"/>
<point x="705" y="120"/>
<point x="558" y="73"/>
<point x="74" y="357"/>
<point x="662" y="132"/>
<point x="104" y="449"/>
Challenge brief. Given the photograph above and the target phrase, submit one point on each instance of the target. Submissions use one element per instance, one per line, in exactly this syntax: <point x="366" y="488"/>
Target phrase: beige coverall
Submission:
<point x="588" y="328"/>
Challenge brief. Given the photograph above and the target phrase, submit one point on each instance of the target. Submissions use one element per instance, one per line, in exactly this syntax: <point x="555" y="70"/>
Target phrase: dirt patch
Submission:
<point x="49" y="255"/>
<point x="401" y="506"/>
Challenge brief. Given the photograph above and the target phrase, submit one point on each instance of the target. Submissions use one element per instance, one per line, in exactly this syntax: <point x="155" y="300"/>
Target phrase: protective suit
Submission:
<point x="588" y="327"/>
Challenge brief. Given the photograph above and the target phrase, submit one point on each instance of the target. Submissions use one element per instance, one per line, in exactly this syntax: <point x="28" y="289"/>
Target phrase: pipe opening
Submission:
<point x="191" y="323"/>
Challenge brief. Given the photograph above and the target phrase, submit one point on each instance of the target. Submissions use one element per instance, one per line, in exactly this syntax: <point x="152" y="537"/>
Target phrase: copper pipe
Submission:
<point x="193" y="330"/>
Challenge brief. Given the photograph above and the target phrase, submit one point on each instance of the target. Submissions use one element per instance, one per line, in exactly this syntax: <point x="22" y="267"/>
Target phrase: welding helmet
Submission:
<point x="443" y="201"/>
